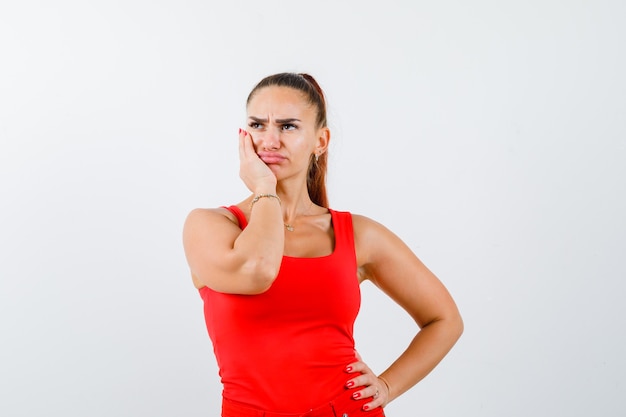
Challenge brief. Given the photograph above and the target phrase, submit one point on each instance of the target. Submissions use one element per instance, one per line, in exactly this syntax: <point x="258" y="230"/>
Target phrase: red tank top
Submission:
<point x="286" y="350"/>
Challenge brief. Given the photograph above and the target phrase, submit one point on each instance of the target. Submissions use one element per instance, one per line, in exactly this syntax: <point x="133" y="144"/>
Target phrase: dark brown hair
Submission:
<point x="316" y="177"/>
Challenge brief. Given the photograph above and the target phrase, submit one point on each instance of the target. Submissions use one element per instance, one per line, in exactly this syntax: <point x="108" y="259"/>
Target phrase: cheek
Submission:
<point x="303" y="141"/>
<point x="257" y="139"/>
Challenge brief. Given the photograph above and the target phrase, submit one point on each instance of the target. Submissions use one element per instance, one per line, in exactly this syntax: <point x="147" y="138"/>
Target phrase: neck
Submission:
<point x="294" y="202"/>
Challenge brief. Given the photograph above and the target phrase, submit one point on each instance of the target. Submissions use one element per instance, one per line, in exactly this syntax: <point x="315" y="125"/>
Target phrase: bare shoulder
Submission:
<point x="208" y="233"/>
<point x="367" y="230"/>
<point x="372" y="239"/>
<point x="209" y="215"/>
<point x="363" y="224"/>
<point x="209" y="226"/>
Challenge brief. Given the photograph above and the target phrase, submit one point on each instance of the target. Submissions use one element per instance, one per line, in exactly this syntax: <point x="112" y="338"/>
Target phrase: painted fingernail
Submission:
<point x="356" y="395"/>
<point x="240" y="131"/>
<point x="366" y="407"/>
<point x="348" y="369"/>
<point x="350" y="384"/>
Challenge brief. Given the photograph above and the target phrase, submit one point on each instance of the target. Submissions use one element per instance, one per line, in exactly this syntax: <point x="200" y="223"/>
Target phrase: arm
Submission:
<point x="223" y="257"/>
<point x="387" y="261"/>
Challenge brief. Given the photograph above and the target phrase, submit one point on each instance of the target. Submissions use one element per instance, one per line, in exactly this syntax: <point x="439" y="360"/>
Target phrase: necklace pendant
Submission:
<point x="289" y="227"/>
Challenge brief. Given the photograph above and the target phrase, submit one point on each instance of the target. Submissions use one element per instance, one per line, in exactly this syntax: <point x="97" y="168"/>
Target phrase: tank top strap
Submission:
<point x="241" y="218"/>
<point x="344" y="233"/>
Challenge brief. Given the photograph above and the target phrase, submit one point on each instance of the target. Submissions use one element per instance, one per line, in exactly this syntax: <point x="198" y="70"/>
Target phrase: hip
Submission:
<point x="341" y="406"/>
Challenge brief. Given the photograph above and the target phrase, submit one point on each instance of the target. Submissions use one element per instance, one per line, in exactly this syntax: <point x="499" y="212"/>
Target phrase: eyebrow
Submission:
<point x="279" y="121"/>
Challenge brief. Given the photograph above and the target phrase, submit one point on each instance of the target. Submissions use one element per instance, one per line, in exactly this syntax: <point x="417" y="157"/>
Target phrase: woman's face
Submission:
<point x="283" y="127"/>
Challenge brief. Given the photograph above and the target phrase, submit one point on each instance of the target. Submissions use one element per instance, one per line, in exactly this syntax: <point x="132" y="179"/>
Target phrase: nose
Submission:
<point x="269" y="140"/>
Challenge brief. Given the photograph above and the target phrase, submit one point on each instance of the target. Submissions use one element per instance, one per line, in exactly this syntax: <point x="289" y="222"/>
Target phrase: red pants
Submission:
<point x="341" y="406"/>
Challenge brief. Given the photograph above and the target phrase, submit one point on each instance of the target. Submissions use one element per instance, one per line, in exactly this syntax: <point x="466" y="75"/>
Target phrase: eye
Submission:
<point x="289" y="126"/>
<point x="254" y="125"/>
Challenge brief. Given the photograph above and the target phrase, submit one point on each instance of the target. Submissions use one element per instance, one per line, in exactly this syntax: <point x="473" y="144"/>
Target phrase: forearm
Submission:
<point x="425" y="351"/>
<point x="261" y="243"/>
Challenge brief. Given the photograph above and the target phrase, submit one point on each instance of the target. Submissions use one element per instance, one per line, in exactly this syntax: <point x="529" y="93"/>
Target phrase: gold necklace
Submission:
<point x="290" y="227"/>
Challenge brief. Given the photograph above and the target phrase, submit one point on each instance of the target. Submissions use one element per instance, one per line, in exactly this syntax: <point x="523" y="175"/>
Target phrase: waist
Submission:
<point x="287" y="388"/>
<point x="341" y="406"/>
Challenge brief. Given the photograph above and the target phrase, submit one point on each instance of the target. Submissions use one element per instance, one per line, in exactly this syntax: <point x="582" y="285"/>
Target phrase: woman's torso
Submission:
<point x="286" y="349"/>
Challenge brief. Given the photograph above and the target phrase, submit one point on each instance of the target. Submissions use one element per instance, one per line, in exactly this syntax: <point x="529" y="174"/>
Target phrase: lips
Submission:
<point x="271" y="157"/>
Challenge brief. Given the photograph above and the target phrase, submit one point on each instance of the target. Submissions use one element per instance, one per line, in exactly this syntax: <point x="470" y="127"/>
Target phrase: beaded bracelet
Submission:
<point x="260" y="196"/>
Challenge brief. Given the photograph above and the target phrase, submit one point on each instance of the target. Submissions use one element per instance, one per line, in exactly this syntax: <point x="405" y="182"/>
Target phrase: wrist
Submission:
<point x="260" y="196"/>
<point x="266" y="187"/>
<point x="387" y="386"/>
<point x="264" y="190"/>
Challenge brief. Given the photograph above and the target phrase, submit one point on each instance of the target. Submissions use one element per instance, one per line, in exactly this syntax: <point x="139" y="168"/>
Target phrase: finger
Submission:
<point x="359" y="381"/>
<point x="358" y="367"/>
<point x="377" y="396"/>
<point x="365" y="376"/>
<point x="247" y="153"/>
<point x="242" y="150"/>
<point x="371" y="393"/>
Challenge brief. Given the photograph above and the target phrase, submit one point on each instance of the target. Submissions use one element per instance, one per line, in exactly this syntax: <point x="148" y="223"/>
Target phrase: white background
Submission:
<point x="489" y="135"/>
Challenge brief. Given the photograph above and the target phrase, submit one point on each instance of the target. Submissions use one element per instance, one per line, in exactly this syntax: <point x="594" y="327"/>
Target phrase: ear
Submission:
<point x="323" y="139"/>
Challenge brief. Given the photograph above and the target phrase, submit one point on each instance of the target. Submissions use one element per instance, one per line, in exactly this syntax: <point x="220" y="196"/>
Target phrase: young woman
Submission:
<point x="279" y="274"/>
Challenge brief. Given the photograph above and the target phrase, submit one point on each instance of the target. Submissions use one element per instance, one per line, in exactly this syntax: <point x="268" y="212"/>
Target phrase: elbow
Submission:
<point x="450" y="326"/>
<point x="456" y="327"/>
<point x="254" y="276"/>
<point x="460" y="326"/>
<point x="260" y="274"/>
<point x="261" y="283"/>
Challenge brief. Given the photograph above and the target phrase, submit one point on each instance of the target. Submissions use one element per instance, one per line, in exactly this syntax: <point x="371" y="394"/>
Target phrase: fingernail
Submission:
<point x="240" y="131"/>
<point x="350" y="384"/>
<point x="366" y="407"/>
<point x="348" y="369"/>
<point x="356" y="395"/>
